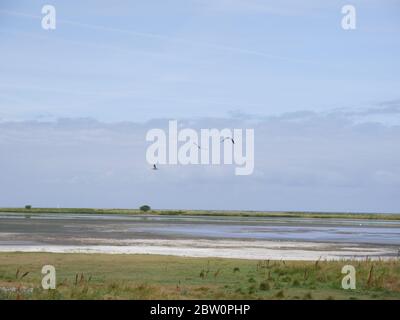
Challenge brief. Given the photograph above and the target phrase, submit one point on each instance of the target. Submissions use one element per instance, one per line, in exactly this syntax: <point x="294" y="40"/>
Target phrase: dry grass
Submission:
<point x="95" y="276"/>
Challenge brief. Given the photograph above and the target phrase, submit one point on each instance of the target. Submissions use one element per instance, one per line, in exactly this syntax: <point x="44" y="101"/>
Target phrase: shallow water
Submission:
<point x="75" y="228"/>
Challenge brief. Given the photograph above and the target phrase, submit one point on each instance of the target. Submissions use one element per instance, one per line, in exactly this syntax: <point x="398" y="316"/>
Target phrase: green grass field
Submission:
<point x="282" y="214"/>
<point x="95" y="276"/>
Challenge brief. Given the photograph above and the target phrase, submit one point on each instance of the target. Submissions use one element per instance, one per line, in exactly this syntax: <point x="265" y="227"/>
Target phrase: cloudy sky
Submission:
<point x="76" y="102"/>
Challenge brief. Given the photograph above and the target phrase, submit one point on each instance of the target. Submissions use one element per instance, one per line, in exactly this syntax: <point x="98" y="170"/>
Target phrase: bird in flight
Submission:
<point x="155" y="167"/>
<point x="228" y="138"/>
<point x="198" y="147"/>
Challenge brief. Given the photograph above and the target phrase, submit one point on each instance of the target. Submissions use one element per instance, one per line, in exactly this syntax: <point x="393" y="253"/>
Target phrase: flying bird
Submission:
<point x="228" y="138"/>
<point x="198" y="147"/>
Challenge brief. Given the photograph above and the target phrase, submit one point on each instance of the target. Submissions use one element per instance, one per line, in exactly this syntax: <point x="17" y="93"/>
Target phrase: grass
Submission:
<point x="99" y="276"/>
<point x="277" y="214"/>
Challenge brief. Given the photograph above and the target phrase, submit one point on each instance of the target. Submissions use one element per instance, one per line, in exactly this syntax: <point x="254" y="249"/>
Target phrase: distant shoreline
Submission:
<point x="270" y="214"/>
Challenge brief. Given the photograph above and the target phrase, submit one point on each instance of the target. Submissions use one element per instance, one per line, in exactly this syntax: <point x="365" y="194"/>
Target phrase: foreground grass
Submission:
<point x="277" y="214"/>
<point x="95" y="276"/>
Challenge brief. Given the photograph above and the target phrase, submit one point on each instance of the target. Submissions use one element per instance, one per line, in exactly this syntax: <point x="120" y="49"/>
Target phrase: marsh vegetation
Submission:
<point x="95" y="276"/>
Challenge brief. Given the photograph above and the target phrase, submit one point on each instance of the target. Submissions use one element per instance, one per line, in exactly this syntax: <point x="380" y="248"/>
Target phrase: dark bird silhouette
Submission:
<point x="198" y="147"/>
<point x="228" y="138"/>
<point x="155" y="167"/>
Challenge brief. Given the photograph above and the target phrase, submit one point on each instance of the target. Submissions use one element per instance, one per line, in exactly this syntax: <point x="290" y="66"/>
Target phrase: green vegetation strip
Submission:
<point x="278" y="214"/>
<point x="96" y="276"/>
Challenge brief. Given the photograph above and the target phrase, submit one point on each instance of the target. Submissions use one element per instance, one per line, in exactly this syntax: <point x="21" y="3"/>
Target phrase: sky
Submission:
<point x="76" y="102"/>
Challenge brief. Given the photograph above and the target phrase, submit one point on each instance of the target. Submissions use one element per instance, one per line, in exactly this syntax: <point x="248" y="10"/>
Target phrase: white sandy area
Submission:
<point x="258" y="250"/>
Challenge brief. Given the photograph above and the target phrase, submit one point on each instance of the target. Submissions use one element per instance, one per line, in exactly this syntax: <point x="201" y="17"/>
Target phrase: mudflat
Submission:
<point x="201" y="236"/>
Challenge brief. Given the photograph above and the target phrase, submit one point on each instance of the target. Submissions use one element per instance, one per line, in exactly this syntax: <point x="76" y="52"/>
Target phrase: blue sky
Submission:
<point x="76" y="102"/>
<point x="138" y="60"/>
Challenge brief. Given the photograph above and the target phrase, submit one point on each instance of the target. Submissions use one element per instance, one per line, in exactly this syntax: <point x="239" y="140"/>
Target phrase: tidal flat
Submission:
<point x="255" y="238"/>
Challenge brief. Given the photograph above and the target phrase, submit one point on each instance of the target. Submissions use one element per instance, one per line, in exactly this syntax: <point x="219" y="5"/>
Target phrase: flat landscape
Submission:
<point x="115" y="255"/>
<point x="219" y="213"/>
<point x="103" y="276"/>
<point x="275" y="238"/>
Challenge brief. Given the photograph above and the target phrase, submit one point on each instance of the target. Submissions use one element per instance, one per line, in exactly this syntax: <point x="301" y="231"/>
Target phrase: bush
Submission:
<point x="28" y="207"/>
<point x="264" y="286"/>
<point x="145" y="208"/>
